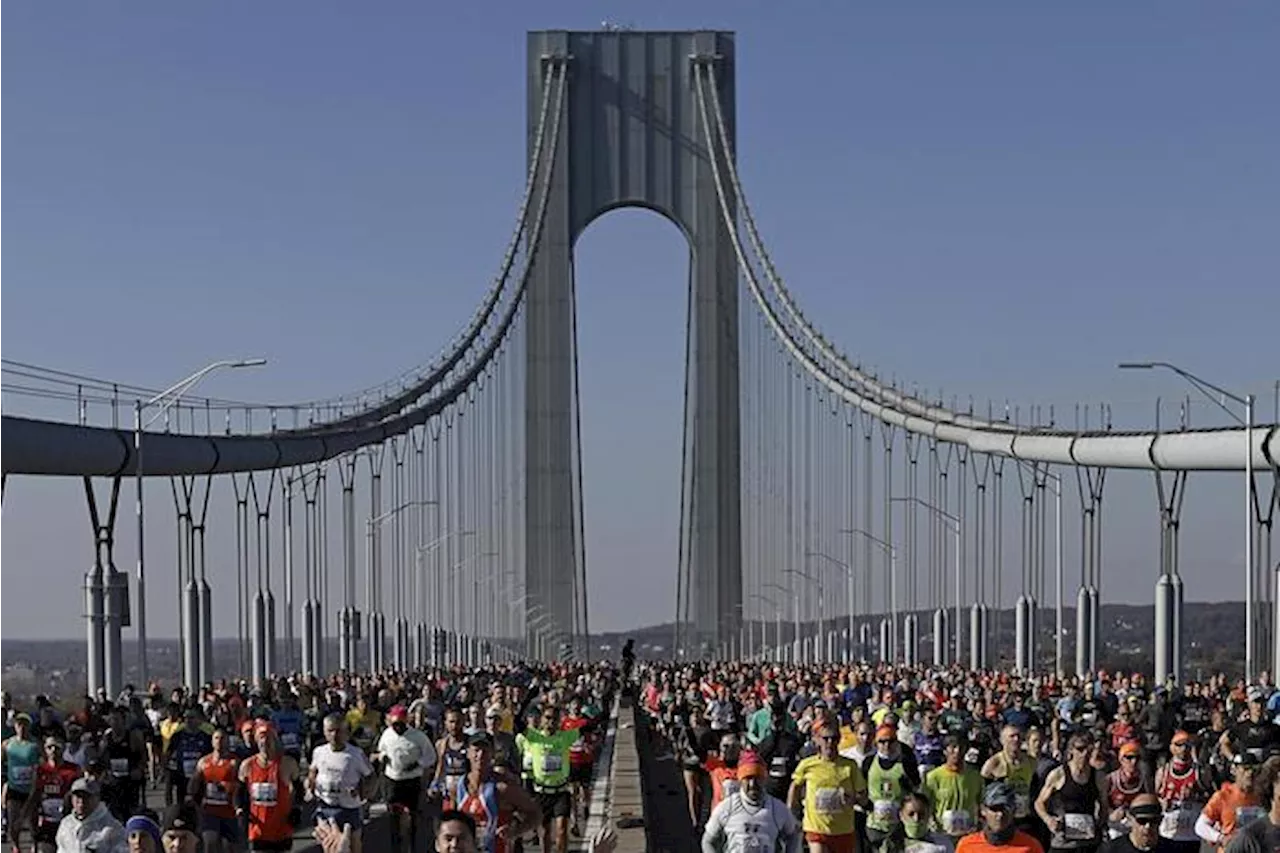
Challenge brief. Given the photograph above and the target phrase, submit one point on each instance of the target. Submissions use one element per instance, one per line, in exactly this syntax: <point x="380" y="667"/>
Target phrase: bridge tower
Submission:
<point x="630" y="137"/>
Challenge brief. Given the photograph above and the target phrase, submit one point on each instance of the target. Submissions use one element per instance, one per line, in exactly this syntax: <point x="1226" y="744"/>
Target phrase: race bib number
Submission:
<point x="215" y="794"/>
<point x="1257" y="752"/>
<point x="828" y="800"/>
<point x="264" y="793"/>
<point x="551" y="764"/>
<point x="1021" y="805"/>
<point x="885" y="810"/>
<point x="189" y="766"/>
<point x="1078" y="827"/>
<point x="329" y="783"/>
<point x="1246" y="815"/>
<point x="956" y="821"/>
<point x="120" y="767"/>
<point x="51" y="808"/>
<point x="290" y="740"/>
<point x="23" y="776"/>
<point x="778" y="767"/>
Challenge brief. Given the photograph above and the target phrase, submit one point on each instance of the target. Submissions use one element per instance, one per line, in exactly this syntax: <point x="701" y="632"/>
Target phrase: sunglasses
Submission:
<point x="1146" y="821"/>
<point x="884" y="742"/>
<point x="829" y="738"/>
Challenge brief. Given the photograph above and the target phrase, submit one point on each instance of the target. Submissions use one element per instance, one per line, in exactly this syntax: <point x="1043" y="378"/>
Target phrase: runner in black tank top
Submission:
<point x="1076" y="803"/>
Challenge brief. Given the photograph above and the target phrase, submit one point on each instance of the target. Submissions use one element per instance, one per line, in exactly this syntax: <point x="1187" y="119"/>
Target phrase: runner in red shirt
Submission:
<point x="49" y="792"/>
<point x="582" y="757"/>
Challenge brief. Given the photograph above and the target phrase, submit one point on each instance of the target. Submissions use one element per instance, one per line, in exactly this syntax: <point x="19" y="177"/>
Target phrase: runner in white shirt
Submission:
<point x="406" y="753"/>
<point x="750" y="819"/>
<point x="340" y="772"/>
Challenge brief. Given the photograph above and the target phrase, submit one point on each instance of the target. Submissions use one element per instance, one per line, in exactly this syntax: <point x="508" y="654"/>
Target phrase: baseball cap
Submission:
<point x="1245" y="759"/>
<point x="999" y="795"/>
<point x="480" y="739"/>
<point x="85" y="786"/>
<point x="181" y="817"/>
<point x="1130" y="749"/>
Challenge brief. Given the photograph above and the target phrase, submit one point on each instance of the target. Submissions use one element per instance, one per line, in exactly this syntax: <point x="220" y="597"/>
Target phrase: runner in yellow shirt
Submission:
<point x="831" y="785"/>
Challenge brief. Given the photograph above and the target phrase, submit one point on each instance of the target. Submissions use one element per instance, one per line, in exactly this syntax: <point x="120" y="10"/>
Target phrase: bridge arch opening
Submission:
<point x="631" y="267"/>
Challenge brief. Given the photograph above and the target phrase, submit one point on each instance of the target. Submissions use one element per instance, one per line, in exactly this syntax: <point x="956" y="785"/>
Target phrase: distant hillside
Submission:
<point x="1215" y="643"/>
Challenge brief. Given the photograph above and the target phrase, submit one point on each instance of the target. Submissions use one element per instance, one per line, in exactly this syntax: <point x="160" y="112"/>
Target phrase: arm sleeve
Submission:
<point x="1206" y="830"/>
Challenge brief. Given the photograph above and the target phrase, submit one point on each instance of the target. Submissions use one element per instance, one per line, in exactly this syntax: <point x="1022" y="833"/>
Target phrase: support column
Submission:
<point x="311" y="606"/>
<point x="658" y="161"/>
<point x="1089" y="485"/>
<point x="979" y="630"/>
<point x="373" y="563"/>
<point x="1168" y="629"/>
<point x="106" y="597"/>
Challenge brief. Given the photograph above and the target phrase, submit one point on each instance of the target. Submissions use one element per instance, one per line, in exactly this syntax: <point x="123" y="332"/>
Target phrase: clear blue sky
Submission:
<point x="999" y="199"/>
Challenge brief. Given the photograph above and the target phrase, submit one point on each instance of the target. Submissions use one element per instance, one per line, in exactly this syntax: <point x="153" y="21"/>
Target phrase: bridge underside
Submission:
<point x="630" y="137"/>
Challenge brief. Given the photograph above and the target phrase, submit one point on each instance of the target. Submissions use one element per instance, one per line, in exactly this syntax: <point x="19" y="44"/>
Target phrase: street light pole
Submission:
<point x="821" y="609"/>
<point x="848" y="573"/>
<point x="956" y="524"/>
<point x="888" y="548"/>
<point x="165" y="399"/>
<point x="1208" y="390"/>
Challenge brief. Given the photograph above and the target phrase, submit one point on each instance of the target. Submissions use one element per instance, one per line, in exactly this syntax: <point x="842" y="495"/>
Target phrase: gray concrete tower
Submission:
<point x="631" y="136"/>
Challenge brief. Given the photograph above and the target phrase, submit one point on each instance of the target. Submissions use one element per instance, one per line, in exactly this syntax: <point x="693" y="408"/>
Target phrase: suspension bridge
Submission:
<point x="826" y="512"/>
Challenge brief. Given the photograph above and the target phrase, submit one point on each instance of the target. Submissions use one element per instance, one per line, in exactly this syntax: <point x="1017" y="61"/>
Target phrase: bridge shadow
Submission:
<point x="668" y="828"/>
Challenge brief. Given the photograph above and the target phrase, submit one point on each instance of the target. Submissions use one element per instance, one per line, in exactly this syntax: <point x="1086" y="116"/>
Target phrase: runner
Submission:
<point x="214" y="786"/>
<point x="1233" y="806"/>
<point x="1012" y="764"/>
<point x="917" y="836"/>
<point x="1183" y="793"/>
<point x="955" y="790"/>
<point x="452" y="749"/>
<point x="21" y="755"/>
<point x="999" y="829"/>
<point x="406" y="754"/>
<point x="830" y="786"/>
<point x="888" y="779"/>
<point x="266" y="802"/>
<point x="547" y="747"/>
<point x="90" y="826"/>
<point x="182" y="752"/>
<point x="501" y="809"/>
<point x="339" y="778"/>
<point x="53" y="781"/>
<point x="125" y="752"/>
<point x="1070" y="804"/>
<point x="748" y="818"/>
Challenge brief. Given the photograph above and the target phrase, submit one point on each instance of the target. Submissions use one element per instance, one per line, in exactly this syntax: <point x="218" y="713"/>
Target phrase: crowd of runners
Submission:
<point x="883" y="759"/>
<point x="493" y="758"/>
